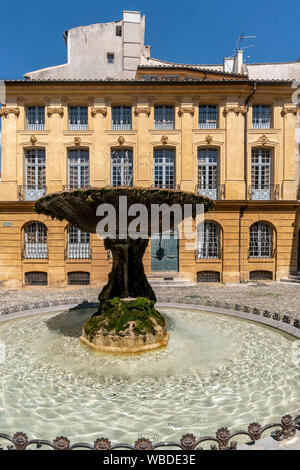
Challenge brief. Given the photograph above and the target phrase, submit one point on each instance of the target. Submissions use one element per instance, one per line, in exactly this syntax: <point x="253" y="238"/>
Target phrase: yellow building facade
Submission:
<point x="222" y="135"/>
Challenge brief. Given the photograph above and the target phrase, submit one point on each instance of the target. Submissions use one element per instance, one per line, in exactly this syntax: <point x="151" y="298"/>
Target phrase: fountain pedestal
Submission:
<point x="126" y="326"/>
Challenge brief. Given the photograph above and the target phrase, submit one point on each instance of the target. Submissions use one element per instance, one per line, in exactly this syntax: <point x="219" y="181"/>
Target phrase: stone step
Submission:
<point x="164" y="274"/>
<point x="184" y="283"/>
<point x="291" y="280"/>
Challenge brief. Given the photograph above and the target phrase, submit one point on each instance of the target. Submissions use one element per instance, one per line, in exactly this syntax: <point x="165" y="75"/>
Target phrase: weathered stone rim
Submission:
<point x="284" y="323"/>
<point x="126" y="351"/>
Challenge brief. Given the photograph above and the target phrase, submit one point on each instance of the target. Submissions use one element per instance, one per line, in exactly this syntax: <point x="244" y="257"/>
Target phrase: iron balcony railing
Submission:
<point x="70" y="187"/>
<point x="78" y="126"/>
<point x="35" y="251"/>
<point x="216" y="193"/>
<point x="261" y="121"/>
<point x="31" y="192"/>
<point x="119" y="126"/>
<point x="208" y="121"/>
<point x="163" y="125"/>
<point x="264" y="192"/>
<point x="35" y="126"/>
<point x="166" y="186"/>
<point x="78" y="251"/>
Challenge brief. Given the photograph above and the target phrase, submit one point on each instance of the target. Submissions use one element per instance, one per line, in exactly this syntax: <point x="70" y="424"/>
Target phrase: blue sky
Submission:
<point x="191" y="31"/>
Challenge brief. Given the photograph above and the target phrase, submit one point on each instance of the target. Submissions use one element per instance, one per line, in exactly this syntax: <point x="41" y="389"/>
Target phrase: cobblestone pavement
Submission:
<point x="273" y="296"/>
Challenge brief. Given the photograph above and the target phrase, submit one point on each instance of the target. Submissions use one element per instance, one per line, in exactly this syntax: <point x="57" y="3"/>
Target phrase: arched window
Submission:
<point x="121" y="167"/>
<point x="261" y="240"/>
<point x="208" y="241"/>
<point x="208" y="172"/>
<point x="78" y="243"/>
<point x="78" y="168"/>
<point x="35" y="241"/>
<point x="35" y="174"/>
<point x="164" y="168"/>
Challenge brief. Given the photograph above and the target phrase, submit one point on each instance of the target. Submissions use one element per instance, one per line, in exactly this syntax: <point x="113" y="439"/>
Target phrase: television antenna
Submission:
<point x="241" y="38"/>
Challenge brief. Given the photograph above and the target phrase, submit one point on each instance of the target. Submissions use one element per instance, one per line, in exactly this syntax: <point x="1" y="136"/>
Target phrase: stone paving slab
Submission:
<point x="272" y="296"/>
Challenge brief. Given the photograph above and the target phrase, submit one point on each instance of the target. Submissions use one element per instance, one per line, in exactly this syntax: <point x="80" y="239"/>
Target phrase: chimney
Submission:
<point x="238" y="62"/>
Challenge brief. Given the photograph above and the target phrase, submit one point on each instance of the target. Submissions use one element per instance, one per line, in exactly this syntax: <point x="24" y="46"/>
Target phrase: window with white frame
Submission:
<point x="121" y="117"/>
<point x="261" y="240"/>
<point x="78" y="118"/>
<point x="164" y="168"/>
<point x="35" y="174"/>
<point x="261" y="172"/>
<point x="208" y="241"/>
<point x="208" y="172"/>
<point x="35" y="118"/>
<point x="35" y="241"/>
<point x="208" y="116"/>
<point x="261" y="116"/>
<point x="78" y="168"/>
<point x="121" y="167"/>
<point x="164" y="117"/>
<point x="78" y="243"/>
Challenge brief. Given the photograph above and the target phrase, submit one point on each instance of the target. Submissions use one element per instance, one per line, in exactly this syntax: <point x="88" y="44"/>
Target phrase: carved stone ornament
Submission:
<point x="289" y="109"/>
<point x="145" y="109"/>
<point x="121" y="140"/>
<point x="59" y="111"/>
<point x="77" y="140"/>
<point x="208" y="139"/>
<point x="235" y="109"/>
<point x="186" y="109"/>
<point x="99" y="110"/>
<point x="33" y="139"/>
<point x="263" y="139"/>
<point x="164" y="139"/>
<point x="4" y="112"/>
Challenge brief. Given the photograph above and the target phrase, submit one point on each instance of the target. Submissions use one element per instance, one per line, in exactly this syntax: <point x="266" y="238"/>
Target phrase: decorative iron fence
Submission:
<point x="221" y="441"/>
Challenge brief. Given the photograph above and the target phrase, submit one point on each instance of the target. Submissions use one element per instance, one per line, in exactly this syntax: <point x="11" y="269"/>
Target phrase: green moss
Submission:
<point x="116" y="315"/>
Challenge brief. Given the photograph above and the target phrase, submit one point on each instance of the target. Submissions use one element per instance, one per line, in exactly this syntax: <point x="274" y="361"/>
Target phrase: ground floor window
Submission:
<point x="208" y="276"/>
<point x="261" y="276"/>
<point x="208" y="241"/>
<point x="261" y="240"/>
<point x="35" y="241"/>
<point x="78" y="278"/>
<point x="78" y="243"/>
<point x="36" y="278"/>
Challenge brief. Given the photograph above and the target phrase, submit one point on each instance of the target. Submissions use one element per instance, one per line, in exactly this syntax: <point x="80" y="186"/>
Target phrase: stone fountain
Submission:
<point x="126" y="321"/>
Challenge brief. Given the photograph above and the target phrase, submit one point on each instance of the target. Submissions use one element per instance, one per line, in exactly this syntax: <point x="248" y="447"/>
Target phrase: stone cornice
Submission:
<point x="98" y="110"/>
<point x="4" y="112"/>
<point x="53" y="110"/>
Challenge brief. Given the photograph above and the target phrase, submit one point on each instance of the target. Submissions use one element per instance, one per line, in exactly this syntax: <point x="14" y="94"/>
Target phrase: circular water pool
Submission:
<point x="216" y="371"/>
